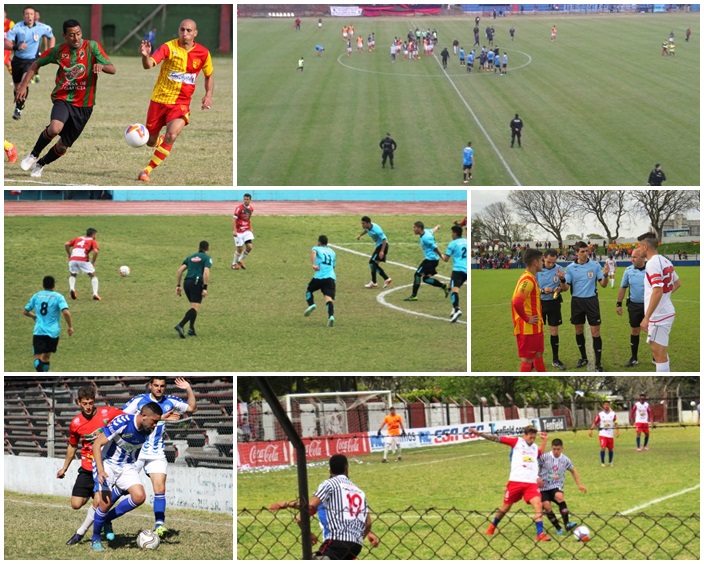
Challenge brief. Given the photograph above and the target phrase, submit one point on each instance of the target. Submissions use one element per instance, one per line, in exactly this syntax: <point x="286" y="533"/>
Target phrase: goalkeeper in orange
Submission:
<point x="183" y="60"/>
<point x="528" y="314"/>
<point x="396" y="431"/>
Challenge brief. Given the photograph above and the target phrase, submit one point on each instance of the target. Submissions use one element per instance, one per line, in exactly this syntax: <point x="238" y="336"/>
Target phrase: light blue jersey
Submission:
<point x="428" y="244"/>
<point x="583" y="278"/>
<point x="125" y="442"/>
<point x="325" y="259"/>
<point x="376" y="233"/>
<point x="48" y="306"/>
<point x="154" y="446"/>
<point x="457" y="249"/>
<point x="634" y="278"/>
<point x="467" y="156"/>
<point x="32" y="36"/>
<point x="548" y="278"/>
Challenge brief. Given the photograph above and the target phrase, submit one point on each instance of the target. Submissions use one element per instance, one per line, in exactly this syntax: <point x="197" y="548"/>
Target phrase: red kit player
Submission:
<point x="242" y="232"/>
<point x="641" y="415"/>
<point x="606" y="421"/>
<point x="79" y="260"/>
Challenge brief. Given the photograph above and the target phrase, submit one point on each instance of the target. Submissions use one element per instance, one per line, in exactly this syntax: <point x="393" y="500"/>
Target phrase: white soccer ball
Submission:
<point x="582" y="533"/>
<point x="148" y="540"/>
<point x="136" y="135"/>
<point x="123" y="271"/>
<point x="693" y="404"/>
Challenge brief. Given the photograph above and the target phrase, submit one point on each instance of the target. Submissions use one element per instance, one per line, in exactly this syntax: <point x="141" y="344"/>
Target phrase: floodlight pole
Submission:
<point x="289" y="429"/>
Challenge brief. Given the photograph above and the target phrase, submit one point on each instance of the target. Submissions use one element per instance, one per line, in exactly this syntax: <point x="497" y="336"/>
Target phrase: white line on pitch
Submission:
<point x="659" y="499"/>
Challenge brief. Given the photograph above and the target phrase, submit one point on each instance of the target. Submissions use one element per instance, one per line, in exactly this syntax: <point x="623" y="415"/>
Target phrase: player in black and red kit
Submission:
<point x="242" y="232"/>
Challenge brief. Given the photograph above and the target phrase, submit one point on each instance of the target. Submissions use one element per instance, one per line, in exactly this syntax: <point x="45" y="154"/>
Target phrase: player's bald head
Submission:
<point x="189" y="24"/>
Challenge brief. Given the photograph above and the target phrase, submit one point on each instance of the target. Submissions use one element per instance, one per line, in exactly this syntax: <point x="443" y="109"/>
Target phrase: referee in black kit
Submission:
<point x="388" y="145"/>
<point x="345" y="505"/>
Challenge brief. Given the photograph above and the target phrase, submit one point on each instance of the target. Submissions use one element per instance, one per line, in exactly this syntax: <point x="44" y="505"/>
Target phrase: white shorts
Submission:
<point x="151" y="466"/>
<point x="392" y="442"/>
<point x="123" y="477"/>
<point x="660" y="333"/>
<point x="242" y="238"/>
<point x="76" y="266"/>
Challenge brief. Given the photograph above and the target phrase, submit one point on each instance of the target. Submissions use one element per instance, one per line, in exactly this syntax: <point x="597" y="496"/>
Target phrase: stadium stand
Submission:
<point x="203" y="439"/>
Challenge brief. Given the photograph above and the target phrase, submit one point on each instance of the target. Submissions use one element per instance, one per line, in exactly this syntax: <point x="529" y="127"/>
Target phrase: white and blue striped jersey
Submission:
<point x="125" y="441"/>
<point x="154" y="446"/>
<point x="552" y="471"/>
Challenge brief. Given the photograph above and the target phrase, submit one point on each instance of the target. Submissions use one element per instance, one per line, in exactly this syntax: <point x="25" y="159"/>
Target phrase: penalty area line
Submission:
<point x="659" y="499"/>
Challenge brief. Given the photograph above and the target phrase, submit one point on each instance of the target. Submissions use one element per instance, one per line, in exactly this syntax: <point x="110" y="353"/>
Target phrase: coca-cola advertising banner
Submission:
<point x="256" y="455"/>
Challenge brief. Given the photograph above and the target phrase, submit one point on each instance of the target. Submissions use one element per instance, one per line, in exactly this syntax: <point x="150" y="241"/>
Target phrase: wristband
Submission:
<point x="205" y="286"/>
<point x="619" y="304"/>
<point x="178" y="285"/>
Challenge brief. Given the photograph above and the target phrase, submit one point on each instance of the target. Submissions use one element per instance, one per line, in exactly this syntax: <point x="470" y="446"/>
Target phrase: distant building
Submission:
<point x="680" y="226"/>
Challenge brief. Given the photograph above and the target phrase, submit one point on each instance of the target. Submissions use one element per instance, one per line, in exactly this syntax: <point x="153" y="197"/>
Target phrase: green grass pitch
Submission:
<point x="201" y="156"/>
<point x="600" y="105"/>
<point x="472" y="477"/>
<point x="251" y="320"/>
<point x="494" y="349"/>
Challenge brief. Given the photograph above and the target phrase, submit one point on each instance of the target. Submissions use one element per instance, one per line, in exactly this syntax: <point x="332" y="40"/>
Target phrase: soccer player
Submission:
<point x="80" y="260"/>
<point x="522" y="481"/>
<point x="73" y="96"/>
<point x="661" y="281"/>
<point x="380" y="252"/>
<point x="607" y="422"/>
<point x="457" y="250"/>
<point x="553" y="466"/>
<point x="610" y="264"/>
<point x="527" y="313"/>
<point x="300" y="64"/>
<point x="49" y="306"/>
<point x="114" y="455"/>
<point x="395" y="425"/>
<point x="553" y="34"/>
<point x="467" y="162"/>
<point x="641" y="415"/>
<point x="152" y="457"/>
<point x="634" y="280"/>
<point x="24" y="39"/>
<point x="10" y="151"/>
<point x="516" y="126"/>
<point x="170" y="105"/>
<point x="85" y="427"/>
<point x="427" y="268"/>
<point x="242" y="232"/>
<point x="197" y="268"/>
<point x="8" y="52"/>
<point x="323" y="260"/>
<point x="551" y="281"/>
<point x="388" y="146"/>
<point x="582" y="275"/>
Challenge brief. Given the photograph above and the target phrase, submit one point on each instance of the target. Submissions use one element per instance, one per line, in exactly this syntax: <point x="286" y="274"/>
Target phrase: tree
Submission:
<point x="499" y="224"/>
<point x="477" y="229"/>
<point x="660" y="206"/>
<point x="549" y="209"/>
<point x="603" y="204"/>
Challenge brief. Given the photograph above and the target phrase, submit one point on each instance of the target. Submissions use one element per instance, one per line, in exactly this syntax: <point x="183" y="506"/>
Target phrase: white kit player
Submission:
<point x="242" y="232"/>
<point x="641" y="415"/>
<point x="80" y="260"/>
<point x="152" y="457"/>
<point x="607" y="422"/>
<point x="611" y="265"/>
<point x="661" y="281"/>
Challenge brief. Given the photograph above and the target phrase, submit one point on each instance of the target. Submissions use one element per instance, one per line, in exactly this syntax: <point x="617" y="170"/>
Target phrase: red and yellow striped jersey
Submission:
<point x="527" y="298"/>
<point x="178" y="73"/>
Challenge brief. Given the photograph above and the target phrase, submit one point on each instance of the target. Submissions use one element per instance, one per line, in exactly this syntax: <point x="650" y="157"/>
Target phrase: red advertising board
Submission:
<point x="270" y="453"/>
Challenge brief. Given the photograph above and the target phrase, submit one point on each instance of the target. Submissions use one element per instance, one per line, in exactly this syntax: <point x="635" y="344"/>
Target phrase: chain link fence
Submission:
<point x="457" y="534"/>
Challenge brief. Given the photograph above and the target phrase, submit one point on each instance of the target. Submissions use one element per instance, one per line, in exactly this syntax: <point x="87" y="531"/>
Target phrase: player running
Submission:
<point x="610" y="264"/>
<point x="642" y="415"/>
<point x="607" y="422"/>
<point x="152" y="458"/>
<point x="427" y="268"/>
<point x="242" y="232"/>
<point x="457" y="249"/>
<point x="380" y="252"/>
<point x="80" y="260"/>
<point x="323" y="261"/>
<point x="395" y="424"/>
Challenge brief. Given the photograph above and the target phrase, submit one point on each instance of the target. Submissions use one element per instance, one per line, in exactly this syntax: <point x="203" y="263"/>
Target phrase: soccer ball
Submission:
<point x="123" y="271"/>
<point x="582" y="533"/>
<point x="148" y="540"/>
<point x="693" y="404"/>
<point x="136" y="135"/>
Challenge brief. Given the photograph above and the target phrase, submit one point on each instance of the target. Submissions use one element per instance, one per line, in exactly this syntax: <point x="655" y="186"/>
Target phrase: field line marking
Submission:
<point x="659" y="499"/>
<point x="45" y="183"/>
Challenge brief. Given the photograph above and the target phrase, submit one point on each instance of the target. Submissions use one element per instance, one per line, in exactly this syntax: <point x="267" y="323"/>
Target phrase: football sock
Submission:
<point x="71" y="282"/>
<point x="637" y="442"/>
<point x="416" y="285"/>
<point x="538" y="527"/>
<point x="309" y="299"/>
<point x="539" y="364"/>
<point x="123" y="507"/>
<point x="234" y="258"/>
<point x="159" y="509"/>
<point x="244" y="255"/>
<point x="43" y="140"/>
<point x="496" y="521"/>
<point x="555" y="344"/>
<point x="662" y="366"/>
<point x="160" y="153"/>
<point x="597" y="350"/>
<point x="433" y="282"/>
<point x="331" y="308"/>
<point x="45" y="367"/>
<point x="526" y="366"/>
<point x="98" y="524"/>
<point x="94" y="284"/>
<point x="553" y="519"/>
<point x="190" y="314"/>
<point x="88" y="521"/>
<point x="455" y="300"/>
<point x="602" y="456"/>
<point x="52" y="155"/>
<point x="38" y="365"/>
<point x="635" y="341"/>
<point x="372" y="268"/>
<point x="580" y="345"/>
<point x="564" y="511"/>
<point x="193" y="319"/>
<point x="647" y="438"/>
<point x="611" y="456"/>
<point x="381" y="271"/>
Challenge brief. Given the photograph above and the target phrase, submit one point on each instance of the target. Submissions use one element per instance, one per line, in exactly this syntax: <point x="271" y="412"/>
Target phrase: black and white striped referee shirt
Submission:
<point x="552" y="471"/>
<point x="346" y="508"/>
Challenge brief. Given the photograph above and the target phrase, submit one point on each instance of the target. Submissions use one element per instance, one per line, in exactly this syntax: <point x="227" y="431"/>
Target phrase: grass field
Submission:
<point x="472" y="477"/>
<point x="494" y="346"/>
<point x="38" y="526"/>
<point x="600" y="105"/>
<point x="201" y="156"/>
<point x="251" y="320"/>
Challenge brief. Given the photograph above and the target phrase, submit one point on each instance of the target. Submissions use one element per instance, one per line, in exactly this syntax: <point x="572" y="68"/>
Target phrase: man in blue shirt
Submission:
<point x="380" y="252"/>
<point x="457" y="249"/>
<point x="427" y="268"/>
<point x="24" y="39"/>
<point x="551" y="281"/>
<point x="634" y="279"/>
<point x="49" y="306"/>
<point x="582" y="275"/>
<point x="467" y="162"/>
<point x="323" y="261"/>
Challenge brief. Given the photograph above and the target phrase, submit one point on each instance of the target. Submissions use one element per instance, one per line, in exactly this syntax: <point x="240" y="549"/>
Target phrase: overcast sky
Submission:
<point x="479" y="199"/>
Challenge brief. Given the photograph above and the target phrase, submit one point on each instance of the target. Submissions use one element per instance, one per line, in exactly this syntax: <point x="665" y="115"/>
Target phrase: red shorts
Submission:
<point x="529" y="345"/>
<point x="642" y="428"/>
<point x="517" y="490"/>
<point x="159" y="115"/>
<point x="606" y="442"/>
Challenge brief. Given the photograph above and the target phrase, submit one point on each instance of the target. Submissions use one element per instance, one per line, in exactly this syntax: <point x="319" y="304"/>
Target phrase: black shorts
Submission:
<point x="84" y="484"/>
<point x="549" y="495"/>
<point x="73" y="118"/>
<point x="375" y="255"/>
<point x="44" y="344"/>
<point x="636" y="313"/>
<point x="193" y="287"/>
<point x="457" y="279"/>
<point x="586" y="307"/>
<point x="325" y="285"/>
<point x="338" y="550"/>
<point x="467" y="167"/>
<point x="19" y="67"/>
<point x="552" y="312"/>
<point x="428" y="267"/>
